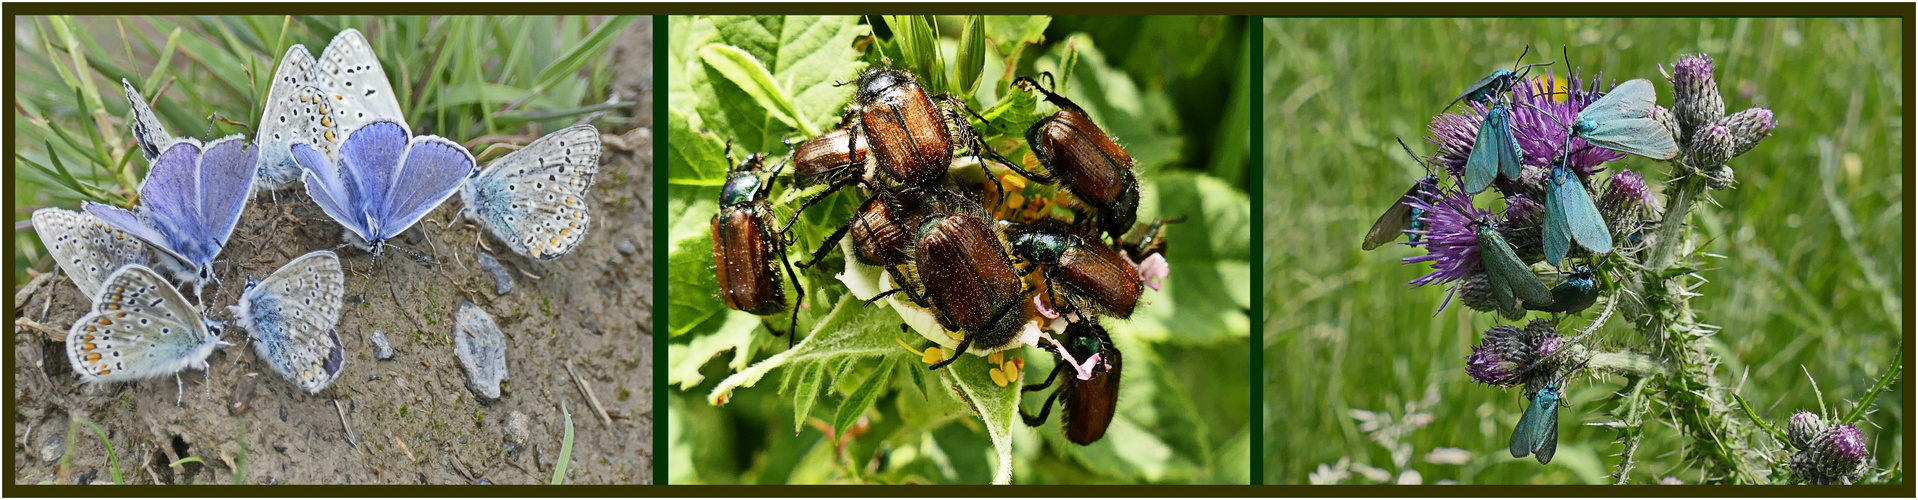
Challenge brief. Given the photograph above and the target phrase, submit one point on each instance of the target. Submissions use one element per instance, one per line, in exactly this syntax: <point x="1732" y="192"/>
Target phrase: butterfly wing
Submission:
<point x="1393" y="222"/>
<point x="430" y="171"/>
<point x="296" y="111"/>
<point x="1549" y="446"/>
<point x="225" y="174"/>
<point x="1639" y="136"/>
<point x="140" y="328"/>
<point x="291" y="315"/>
<point x="1510" y="278"/>
<point x="148" y="134"/>
<point x="1530" y="433"/>
<point x="534" y="199"/>
<point x="86" y="248"/>
<point x="1557" y="236"/>
<point x="1580" y="215"/>
<point x="1482" y="89"/>
<point x="355" y="83"/>
<point x="1632" y="99"/>
<point x="1488" y="151"/>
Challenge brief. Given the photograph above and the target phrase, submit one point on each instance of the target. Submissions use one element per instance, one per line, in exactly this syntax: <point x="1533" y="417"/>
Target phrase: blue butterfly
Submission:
<point x="1537" y="431"/>
<point x="1621" y="121"/>
<point x="291" y="314"/>
<point x="386" y="180"/>
<point x="1500" y="80"/>
<point x="189" y="203"/>
<point x="1495" y="152"/>
<point x="140" y="328"/>
<point x="534" y="199"/>
<point x="1570" y="216"/>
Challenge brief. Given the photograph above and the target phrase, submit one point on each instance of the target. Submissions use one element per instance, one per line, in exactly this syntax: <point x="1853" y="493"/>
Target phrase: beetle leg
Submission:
<point x="1048" y="383"/>
<point x="831" y="242"/>
<point x="956" y="352"/>
<point x="1044" y="411"/>
<point x="800" y="300"/>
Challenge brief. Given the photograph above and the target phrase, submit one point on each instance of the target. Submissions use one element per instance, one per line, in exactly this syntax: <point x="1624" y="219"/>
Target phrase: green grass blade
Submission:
<point x="565" y="447"/>
<point x="112" y="459"/>
<point x="589" y="48"/>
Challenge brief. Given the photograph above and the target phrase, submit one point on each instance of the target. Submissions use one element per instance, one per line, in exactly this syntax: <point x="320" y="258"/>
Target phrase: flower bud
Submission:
<point x="1835" y="455"/>
<point x="1697" y="103"/>
<point x="1625" y="198"/>
<point x="1710" y="148"/>
<point x="1720" y="178"/>
<point x="1499" y="357"/>
<point x="1804" y="426"/>
<point x="1475" y="291"/>
<point x="1748" y="127"/>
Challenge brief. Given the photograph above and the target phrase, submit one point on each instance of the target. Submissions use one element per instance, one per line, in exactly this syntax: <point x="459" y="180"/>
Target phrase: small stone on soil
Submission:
<point x="382" y="349"/>
<point x="481" y="350"/>
<point x="502" y="279"/>
<point x="55" y="446"/>
<point x="625" y="246"/>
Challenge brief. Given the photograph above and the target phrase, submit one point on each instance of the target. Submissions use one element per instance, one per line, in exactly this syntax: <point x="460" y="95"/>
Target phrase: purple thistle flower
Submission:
<point x="1454" y="133"/>
<point x="1450" y="237"/>
<point x="1540" y="126"/>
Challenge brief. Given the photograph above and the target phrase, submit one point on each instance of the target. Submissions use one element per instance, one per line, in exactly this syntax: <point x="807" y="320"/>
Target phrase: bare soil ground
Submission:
<point x="578" y="333"/>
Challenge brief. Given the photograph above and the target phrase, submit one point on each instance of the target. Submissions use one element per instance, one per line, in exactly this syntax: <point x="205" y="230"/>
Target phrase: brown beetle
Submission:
<point x="832" y="158"/>
<point x="960" y="270"/>
<point x="904" y="126"/>
<point x="1086" y="160"/>
<point x="744" y="245"/>
<point x="879" y="238"/>
<point x="1080" y="270"/>
<point x="1085" y="406"/>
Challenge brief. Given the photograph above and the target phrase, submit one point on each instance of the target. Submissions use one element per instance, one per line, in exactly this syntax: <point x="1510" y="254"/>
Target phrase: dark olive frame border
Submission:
<point x="1905" y="12"/>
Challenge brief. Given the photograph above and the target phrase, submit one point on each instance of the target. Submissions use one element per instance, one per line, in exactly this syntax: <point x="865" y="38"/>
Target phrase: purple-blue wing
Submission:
<point x="170" y="195"/>
<point x="432" y="171"/>
<point x="226" y="178"/>
<point x="123" y="220"/>
<point x="370" y="166"/>
<point x="323" y="184"/>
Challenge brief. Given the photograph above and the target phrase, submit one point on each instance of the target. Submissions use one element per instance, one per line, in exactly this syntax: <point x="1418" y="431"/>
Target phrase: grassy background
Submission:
<point x="1809" y="282"/>
<point x="462" y="77"/>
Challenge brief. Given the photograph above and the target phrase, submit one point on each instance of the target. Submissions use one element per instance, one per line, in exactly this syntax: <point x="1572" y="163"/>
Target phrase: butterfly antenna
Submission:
<point x="1521" y="56"/>
<point x="1415" y="156"/>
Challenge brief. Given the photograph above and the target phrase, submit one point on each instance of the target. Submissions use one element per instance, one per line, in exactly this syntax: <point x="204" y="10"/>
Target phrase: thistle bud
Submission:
<point x="1499" y="357"/>
<point x="1625" y="198"/>
<point x="1748" y="127"/>
<point x="1804" y="426"/>
<point x="1710" y="148"/>
<point x="1697" y="102"/>
<point x="1836" y="455"/>
<point x="1475" y="291"/>
<point x="1720" y="178"/>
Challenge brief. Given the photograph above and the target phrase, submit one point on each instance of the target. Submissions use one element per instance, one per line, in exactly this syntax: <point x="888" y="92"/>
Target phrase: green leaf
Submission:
<point x="745" y="71"/>
<point x="996" y="406"/>
<point x="808" y="56"/>
<point x="919" y="45"/>
<point x="588" y="49"/>
<point x="733" y="333"/>
<point x="1010" y="33"/>
<point x="851" y="330"/>
<point x="856" y="404"/>
<point x="971" y="64"/>
<point x="805" y="394"/>
<point x="565" y="447"/>
<point x="1205" y="263"/>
